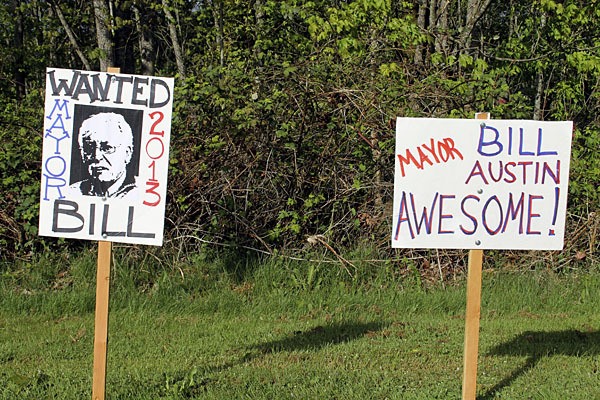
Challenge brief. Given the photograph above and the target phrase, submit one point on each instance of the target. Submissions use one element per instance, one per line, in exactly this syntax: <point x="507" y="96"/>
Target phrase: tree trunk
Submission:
<point x="217" y="13"/>
<point x="122" y="34"/>
<point x="145" y="40"/>
<point x="538" y="107"/>
<point x="432" y="15"/>
<point x="174" y="39"/>
<point x="378" y="198"/>
<point x="103" y="35"/>
<point x="19" y="49"/>
<point x="421" y="23"/>
<point x="475" y="9"/>
<point x="71" y="36"/>
<point x="259" y="16"/>
<point x="441" y="27"/>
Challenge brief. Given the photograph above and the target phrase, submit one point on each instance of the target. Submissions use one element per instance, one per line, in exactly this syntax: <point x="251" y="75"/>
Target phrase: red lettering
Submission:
<point x="408" y="160"/>
<point x="442" y="151"/>
<point x="151" y="189"/>
<point x="155" y="149"/>
<point x="452" y="151"/>
<point x="153" y="130"/>
<point x="152" y="167"/>
<point x="160" y="152"/>
<point x="431" y="149"/>
<point x="423" y="157"/>
<point x="477" y="171"/>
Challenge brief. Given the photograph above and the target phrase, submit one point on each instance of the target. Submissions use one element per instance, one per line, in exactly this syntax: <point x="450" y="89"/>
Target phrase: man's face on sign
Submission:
<point x="106" y="146"/>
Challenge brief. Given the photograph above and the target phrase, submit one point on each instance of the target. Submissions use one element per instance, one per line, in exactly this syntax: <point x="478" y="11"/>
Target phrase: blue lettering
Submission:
<point x="65" y="106"/>
<point x="494" y="142"/>
<point x="539" y="146"/>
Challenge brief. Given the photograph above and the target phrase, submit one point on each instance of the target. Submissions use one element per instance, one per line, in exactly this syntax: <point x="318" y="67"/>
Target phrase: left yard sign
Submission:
<point x="105" y="156"/>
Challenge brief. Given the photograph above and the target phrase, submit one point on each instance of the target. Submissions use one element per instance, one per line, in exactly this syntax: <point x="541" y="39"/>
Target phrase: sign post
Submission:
<point x="105" y="160"/>
<point x="101" y="313"/>
<point x="472" y="316"/>
<point x="471" y="350"/>
<point x="101" y="321"/>
<point x="480" y="184"/>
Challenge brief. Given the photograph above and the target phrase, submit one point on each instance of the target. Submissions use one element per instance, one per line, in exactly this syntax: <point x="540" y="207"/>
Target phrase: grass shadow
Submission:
<point x="537" y="345"/>
<point x="319" y="337"/>
<point x="193" y="382"/>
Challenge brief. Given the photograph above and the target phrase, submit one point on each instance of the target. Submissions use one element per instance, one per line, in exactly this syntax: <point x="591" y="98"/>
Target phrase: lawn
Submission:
<point x="268" y="337"/>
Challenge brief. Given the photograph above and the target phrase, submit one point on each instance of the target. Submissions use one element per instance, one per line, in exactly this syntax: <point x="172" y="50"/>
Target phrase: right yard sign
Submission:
<point x="480" y="184"/>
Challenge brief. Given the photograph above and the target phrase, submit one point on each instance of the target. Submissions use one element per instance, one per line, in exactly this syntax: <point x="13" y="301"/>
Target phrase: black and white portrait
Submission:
<point x="105" y="151"/>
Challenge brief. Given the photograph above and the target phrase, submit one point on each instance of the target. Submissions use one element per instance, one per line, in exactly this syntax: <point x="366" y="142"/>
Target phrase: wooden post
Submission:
<point x="101" y="321"/>
<point x="472" y="325"/>
<point x="101" y="317"/>
<point x="472" y="315"/>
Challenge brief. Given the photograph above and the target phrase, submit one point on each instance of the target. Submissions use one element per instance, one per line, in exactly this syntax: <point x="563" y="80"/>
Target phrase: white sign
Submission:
<point x="480" y="184"/>
<point x="105" y="156"/>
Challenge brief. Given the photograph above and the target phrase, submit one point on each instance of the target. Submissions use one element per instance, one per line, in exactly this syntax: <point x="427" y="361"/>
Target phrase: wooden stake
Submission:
<point x="101" y="321"/>
<point x="472" y="325"/>
<point x="101" y="317"/>
<point x="472" y="316"/>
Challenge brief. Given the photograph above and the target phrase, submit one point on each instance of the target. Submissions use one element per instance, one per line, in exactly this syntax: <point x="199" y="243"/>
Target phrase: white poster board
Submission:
<point x="105" y="156"/>
<point x="480" y="184"/>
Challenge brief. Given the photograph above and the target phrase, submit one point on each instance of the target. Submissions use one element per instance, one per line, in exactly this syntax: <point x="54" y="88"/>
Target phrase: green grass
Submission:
<point x="292" y="330"/>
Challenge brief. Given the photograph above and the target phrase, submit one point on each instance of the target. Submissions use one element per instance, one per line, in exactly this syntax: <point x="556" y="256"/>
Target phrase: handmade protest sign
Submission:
<point x="105" y="156"/>
<point x="487" y="184"/>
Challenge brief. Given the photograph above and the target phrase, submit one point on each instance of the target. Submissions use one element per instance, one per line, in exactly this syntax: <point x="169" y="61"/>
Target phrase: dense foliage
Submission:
<point x="284" y="111"/>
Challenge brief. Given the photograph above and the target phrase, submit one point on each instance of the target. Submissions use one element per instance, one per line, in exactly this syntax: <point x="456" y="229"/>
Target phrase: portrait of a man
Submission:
<point x="105" y="154"/>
